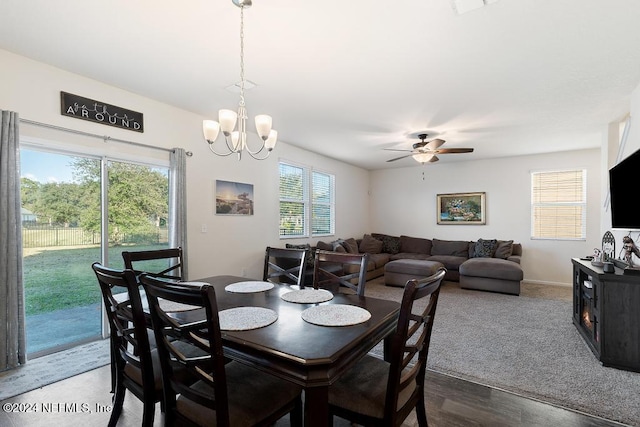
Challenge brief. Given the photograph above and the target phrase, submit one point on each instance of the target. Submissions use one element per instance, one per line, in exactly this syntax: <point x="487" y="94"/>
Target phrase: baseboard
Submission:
<point x="544" y="282"/>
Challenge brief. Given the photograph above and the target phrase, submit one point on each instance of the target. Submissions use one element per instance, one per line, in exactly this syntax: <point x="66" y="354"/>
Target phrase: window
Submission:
<point x="306" y="202"/>
<point x="70" y="222"/>
<point x="558" y="204"/>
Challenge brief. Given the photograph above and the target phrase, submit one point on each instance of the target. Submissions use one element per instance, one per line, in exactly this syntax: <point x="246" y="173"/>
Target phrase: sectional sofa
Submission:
<point x="490" y="265"/>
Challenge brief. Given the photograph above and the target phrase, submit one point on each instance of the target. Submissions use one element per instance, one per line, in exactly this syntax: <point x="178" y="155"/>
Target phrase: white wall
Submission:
<point x="231" y="245"/>
<point x="396" y="201"/>
<point x="403" y="201"/>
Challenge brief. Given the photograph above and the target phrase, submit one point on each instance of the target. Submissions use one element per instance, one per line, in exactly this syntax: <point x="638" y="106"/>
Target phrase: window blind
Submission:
<point x="292" y="200"/>
<point x="558" y="204"/>
<point x="322" y="211"/>
<point x="307" y="204"/>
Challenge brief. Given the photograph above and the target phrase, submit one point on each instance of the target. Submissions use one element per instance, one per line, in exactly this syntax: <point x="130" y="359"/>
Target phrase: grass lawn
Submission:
<point x="59" y="278"/>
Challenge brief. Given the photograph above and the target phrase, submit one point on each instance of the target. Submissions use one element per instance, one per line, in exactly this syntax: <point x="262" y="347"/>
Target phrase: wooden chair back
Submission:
<point x="409" y="348"/>
<point x="285" y="265"/>
<point x="131" y="358"/>
<point x="143" y="259"/>
<point x="326" y="276"/>
<point x="192" y="346"/>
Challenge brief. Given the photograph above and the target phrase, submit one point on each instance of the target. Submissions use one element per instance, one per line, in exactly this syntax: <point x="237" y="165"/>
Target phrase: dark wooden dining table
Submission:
<point x="306" y="354"/>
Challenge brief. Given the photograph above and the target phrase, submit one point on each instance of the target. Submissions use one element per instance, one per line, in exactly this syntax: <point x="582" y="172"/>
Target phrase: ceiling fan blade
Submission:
<point x="396" y="149"/>
<point x="434" y="144"/>
<point x="434" y="159"/>
<point x="453" y="150"/>
<point x="398" y="158"/>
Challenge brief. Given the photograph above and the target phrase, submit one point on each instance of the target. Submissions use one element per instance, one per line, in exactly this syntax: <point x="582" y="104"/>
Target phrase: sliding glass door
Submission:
<point x="62" y="216"/>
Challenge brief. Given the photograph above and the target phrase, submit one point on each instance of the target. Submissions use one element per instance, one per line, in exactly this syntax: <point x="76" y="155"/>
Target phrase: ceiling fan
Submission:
<point x="425" y="151"/>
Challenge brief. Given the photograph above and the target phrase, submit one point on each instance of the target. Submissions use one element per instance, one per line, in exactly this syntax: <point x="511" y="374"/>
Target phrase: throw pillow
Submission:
<point x="390" y="244"/>
<point x="504" y="249"/>
<point x="369" y="245"/>
<point x="350" y="245"/>
<point x="485" y="248"/>
<point x="338" y="246"/>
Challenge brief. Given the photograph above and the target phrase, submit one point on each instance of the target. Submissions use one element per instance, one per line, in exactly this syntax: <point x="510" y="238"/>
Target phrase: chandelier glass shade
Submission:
<point x="234" y="124"/>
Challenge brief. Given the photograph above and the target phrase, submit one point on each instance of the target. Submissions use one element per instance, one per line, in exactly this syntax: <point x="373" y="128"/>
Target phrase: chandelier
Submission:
<point x="236" y="138"/>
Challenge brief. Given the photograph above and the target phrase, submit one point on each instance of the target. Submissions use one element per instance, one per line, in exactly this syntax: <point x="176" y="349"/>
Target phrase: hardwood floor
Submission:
<point x="84" y="400"/>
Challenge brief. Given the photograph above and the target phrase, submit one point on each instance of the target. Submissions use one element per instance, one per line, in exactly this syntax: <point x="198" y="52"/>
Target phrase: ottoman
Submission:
<point x="491" y="274"/>
<point x="398" y="272"/>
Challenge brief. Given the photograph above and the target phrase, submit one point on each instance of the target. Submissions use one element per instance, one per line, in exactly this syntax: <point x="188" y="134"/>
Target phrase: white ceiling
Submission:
<point x="348" y="79"/>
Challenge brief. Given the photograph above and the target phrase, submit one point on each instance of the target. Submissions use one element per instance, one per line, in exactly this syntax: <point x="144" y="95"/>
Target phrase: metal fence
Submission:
<point x="39" y="236"/>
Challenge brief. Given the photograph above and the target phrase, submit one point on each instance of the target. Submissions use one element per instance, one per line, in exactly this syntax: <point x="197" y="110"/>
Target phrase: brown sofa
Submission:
<point x="491" y="265"/>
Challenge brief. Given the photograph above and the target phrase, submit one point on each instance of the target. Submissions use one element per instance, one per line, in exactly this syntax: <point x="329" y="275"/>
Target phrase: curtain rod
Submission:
<point x="105" y="138"/>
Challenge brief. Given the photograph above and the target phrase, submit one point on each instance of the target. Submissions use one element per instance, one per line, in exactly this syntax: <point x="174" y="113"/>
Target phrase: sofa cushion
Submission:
<point x="517" y="249"/>
<point x="485" y="248"/>
<point x="504" y="250"/>
<point x="351" y="245"/>
<point x="492" y="268"/>
<point x="416" y="245"/>
<point x="458" y="248"/>
<point x="451" y="263"/>
<point x="390" y="244"/>
<point x="379" y="260"/>
<point x="324" y="246"/>
<point x="407" y="255"/>
<point x="369" y="245"/>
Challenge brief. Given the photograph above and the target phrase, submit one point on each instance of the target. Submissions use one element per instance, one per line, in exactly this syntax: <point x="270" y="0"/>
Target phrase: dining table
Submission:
<point x="301" y="351"/>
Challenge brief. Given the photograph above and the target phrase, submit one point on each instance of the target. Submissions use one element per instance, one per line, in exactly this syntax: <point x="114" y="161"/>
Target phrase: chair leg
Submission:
<point x="118" y="400"/>
<point x="149" y="413"/>
<point x="421" y="413"/>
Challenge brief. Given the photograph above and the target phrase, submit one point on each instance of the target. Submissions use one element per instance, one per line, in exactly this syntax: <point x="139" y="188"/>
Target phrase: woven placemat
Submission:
<point x="335" y="315"/>
<point x="246" y="318"/>
<point x="307" y="296"/>
<point x="248" y="287"/>
<point x="173" y="306"/>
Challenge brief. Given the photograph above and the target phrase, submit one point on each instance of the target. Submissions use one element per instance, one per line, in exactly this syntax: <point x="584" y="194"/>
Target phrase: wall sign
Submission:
<point x="100" y="112"/>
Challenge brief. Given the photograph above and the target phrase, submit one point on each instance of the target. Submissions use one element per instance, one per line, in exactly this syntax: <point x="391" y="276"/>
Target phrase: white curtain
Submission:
<point x="12" y="324"/>
<point x="178" y="204"/>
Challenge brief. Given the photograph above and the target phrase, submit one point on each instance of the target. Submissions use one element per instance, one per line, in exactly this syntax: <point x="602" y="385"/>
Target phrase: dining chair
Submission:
<point x="352" y="275"/>
<point x="144" y="261"/>
<point x="135" y="367"/>
<point x="223" y="394"/>
<point x="376" y="392"/>
<point x="285" y="265"/>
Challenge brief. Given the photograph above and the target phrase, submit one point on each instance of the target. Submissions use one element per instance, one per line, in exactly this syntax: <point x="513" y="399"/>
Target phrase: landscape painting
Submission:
<point x="461" y="208"/>
<point x="233" y="198"/>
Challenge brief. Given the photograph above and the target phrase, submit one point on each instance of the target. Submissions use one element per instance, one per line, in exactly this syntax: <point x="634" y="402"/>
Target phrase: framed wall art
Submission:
<point x="233" y="198"/>
<point x="461" y="208"/>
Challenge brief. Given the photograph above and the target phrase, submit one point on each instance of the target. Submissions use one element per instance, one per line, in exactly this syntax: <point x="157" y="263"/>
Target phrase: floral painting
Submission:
<point x="234" y="198"/>
<point x="461" y="208"/>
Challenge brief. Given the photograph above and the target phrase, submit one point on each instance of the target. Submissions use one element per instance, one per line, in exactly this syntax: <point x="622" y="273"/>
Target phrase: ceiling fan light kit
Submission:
<point x="425" y="151"/>
<point x="236" y="137"/>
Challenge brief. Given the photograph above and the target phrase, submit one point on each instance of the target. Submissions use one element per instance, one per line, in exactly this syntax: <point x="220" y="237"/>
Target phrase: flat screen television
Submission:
<point x="623" y="193"/>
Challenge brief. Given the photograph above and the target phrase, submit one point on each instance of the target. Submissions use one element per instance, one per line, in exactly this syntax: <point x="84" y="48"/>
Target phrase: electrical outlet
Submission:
<point x="204" y="228"/>
<point x="243" y="272"/>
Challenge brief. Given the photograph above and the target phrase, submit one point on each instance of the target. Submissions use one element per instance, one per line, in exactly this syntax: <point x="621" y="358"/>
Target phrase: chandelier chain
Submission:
<point x="242" y="55"/>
